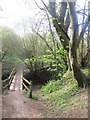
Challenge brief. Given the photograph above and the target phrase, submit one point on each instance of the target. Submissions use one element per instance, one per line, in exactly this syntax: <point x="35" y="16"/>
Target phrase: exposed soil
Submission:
<point x="16" y="105"/>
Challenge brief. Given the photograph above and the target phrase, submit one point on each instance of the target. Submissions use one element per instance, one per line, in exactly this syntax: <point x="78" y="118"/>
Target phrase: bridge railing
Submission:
<point x="7" y="82"/>
<point x="28" y="88"/>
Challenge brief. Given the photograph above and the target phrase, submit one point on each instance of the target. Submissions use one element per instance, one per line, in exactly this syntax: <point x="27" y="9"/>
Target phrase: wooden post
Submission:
<point x="31" y="89"/>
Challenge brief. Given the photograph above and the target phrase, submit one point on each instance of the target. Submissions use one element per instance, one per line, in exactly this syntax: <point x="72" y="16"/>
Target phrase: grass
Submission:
<point x="34" y="97"/>
<point x="60" y="93"/>
<point x="26" y="93"/>
<point x="5" y="91"/>
<point x="64" y="98"/>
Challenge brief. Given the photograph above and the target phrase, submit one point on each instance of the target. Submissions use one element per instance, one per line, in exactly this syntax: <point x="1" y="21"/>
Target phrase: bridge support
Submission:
<point x="31" y="86"/>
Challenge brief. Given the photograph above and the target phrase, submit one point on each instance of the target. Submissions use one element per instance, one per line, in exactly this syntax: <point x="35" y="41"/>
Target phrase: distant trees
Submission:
<point x="33" y="45"/>
<point x="33" y="48"/>
<point x="11" y="42"/>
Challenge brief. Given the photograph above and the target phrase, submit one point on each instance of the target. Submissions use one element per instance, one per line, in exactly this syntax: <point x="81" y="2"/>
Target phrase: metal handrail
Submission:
<point x="5" y="80"/>
<point x="5" y="86"/>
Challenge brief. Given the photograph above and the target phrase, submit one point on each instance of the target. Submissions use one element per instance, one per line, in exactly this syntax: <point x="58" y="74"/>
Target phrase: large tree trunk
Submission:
<point x="73" y="42"/>
<point x="78" y="74"/>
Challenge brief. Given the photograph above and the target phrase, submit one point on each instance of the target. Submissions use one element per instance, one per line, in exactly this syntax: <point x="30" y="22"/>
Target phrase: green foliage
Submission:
<point x="54" y="18"/>
<point x="56" y="61"/>
<point x="34" y="63"/>
<point x="85" y="71"/>
<point x="61" y="91"/>
<point x="34" y="97"/>
<point x="11" y="41"/>
<point x="39" y="55"/>
<point x="12" y="58"/>
<point x="26" y="93"/>
<point x="51" y="87"/>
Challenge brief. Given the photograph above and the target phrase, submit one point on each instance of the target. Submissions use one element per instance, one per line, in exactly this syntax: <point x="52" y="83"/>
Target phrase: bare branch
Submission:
<point x="83" y="13"/>
<point x="44" y="40"/>
<point x="50" y="29"/>
<point x="38" y="5"/>
<point x="62" y="12"/>
<point x="67" y="22"/>
<point x="83" y="29"/>
<point x="57" y="23"/>
<point x="2" y="57"/>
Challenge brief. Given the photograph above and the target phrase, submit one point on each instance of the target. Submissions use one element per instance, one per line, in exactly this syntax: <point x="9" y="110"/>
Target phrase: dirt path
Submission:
<point x="16" y="105"/>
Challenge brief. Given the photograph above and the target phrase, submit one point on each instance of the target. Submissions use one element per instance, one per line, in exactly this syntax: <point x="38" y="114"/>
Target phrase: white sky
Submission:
<point x="14" y="11"/>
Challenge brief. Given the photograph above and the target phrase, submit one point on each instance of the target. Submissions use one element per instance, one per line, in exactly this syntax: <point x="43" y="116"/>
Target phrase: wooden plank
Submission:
<point x="27" y="81"/>
<point x="26" y="87"/>
<point x="30" y="95"/>
<point x="5" y="86"/>
<point x="12" y="73"/>
<point x="5" y="80"/>
<point x="10" y="77"/>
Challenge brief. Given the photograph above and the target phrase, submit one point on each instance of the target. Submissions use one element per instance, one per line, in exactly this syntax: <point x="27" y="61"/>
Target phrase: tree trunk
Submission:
<point x="70" y="67"/>
<point x="31" y="87"/>
<point x="73" y="41"/>
<point x="78" y="74"/>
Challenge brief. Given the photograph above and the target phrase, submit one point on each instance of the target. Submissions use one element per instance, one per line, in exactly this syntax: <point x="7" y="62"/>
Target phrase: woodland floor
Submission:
<point x="16" y="105"/>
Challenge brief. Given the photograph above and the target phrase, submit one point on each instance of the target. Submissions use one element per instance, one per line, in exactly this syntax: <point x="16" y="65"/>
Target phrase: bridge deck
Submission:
<point x="17" y="81"/>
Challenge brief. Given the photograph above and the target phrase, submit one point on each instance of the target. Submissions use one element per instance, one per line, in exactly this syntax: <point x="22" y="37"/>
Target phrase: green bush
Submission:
<point x="51" y="86"/>
<point x="34" y="97"/>
<point x="59" y="92"/>
<point x="26" y="93"/>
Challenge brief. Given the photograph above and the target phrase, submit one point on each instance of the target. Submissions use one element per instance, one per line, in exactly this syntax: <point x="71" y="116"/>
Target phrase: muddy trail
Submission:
<point x="16" y="105"/>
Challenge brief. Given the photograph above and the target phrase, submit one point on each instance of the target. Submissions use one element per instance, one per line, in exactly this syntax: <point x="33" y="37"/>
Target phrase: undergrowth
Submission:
<point x="26" y="93"/>
<point x="60" y="92"/>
